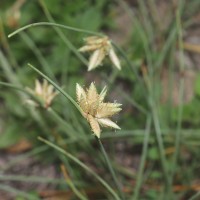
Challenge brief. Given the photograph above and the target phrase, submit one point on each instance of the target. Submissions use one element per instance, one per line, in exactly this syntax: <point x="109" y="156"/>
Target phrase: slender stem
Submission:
<point x="181" y="97"/>
<point x="143" y="159"/>
<point x="160" y="146"/>
<point x="53" y="24"/>
<point x="110" y="167"/>
<point x="195" y="197"/>
<point x="58" y="88"/>
<point x="85" y="167"/>
<point x="71" y="184"/>
<point x="158" y="132"/>
<point x="12" y="78"/>
<point x="62" y="35"/>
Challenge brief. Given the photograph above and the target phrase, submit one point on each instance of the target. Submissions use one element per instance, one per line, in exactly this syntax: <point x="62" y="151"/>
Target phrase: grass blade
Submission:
<point x="70" y="156"/>
<point x="57" y="87"/>
<point x="55" y="25"/>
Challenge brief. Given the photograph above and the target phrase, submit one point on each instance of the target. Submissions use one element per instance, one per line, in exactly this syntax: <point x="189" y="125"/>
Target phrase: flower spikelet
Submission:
<point x="95" y="110"/>
<point x="100" y="48"/>
<point x="43" y="92"/>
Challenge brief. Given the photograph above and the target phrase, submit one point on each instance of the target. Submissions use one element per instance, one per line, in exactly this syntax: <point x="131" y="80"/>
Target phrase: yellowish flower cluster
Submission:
<point x="101" y="47"/>
<point x="95" y="110"/>
<point x="44" y="92"/>
<point x="92" y="104"/>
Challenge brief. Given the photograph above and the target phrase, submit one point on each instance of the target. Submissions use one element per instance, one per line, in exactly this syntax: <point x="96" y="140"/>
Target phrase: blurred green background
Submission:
<point x="158" y="44"/>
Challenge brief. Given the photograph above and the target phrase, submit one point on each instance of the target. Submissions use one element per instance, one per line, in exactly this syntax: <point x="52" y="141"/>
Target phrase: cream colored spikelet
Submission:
<point x="95" y="110"/>
<point x="100" y="48"/>
<point x="43" y="91"/>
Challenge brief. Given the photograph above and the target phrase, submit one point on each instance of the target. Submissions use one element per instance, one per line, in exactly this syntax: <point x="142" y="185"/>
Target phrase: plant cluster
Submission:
<point x="55" y="117"/>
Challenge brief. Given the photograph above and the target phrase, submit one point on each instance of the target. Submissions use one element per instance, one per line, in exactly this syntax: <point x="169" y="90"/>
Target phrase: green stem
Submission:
<point x="70" y="156"/>
<point x="143" y="160"/>
<point x="181" y="97"/>
<point x="110" y="167"/>
<point x="58" y="88"/>
<point x="158" y="132"/>
<point x="12" y="78"/>
<point x="62" y="35"/>
<point x="75" y="190"/>
<point x="71" y="185"/>
<point x="53" y="24"/>
<point x="160" y="146"/>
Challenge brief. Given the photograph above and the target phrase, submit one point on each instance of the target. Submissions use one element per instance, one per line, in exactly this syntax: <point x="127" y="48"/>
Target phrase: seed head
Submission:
<point x="100" y="48"/>
<point x="95" y="110"/>
<point x="44" y="92"/>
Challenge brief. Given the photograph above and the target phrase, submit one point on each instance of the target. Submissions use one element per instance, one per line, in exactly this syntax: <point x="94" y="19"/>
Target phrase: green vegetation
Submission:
<point x="155" y="155"/>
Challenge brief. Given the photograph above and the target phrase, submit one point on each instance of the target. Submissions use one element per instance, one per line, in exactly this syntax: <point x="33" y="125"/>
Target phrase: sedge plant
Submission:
<point x="92" y="106"/>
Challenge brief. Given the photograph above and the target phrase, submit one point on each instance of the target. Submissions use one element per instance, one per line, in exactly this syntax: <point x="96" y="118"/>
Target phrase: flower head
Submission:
<point x="101" y="47"/>
<point x="44" y="92"/>
<point x="95" y="110"/>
